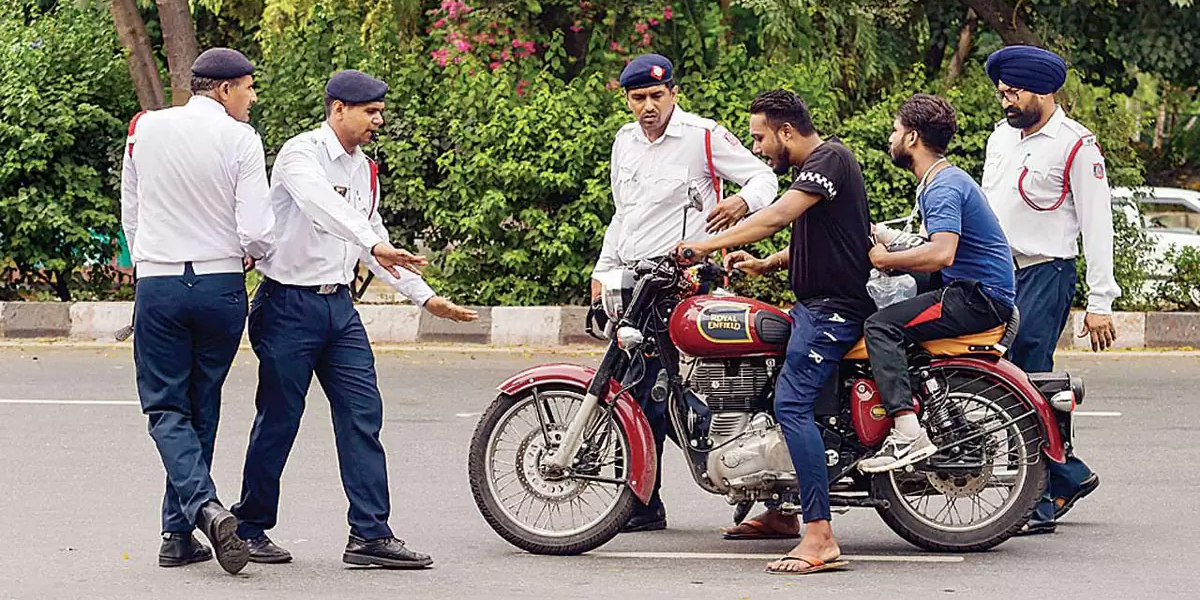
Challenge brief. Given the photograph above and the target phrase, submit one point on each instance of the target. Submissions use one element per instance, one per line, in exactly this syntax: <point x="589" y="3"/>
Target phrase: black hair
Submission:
<point x="782" y="106"/>
<point x="932" y="118"/>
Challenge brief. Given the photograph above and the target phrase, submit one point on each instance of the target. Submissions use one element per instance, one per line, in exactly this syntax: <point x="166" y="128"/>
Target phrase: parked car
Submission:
<point x="1170" y="217"/>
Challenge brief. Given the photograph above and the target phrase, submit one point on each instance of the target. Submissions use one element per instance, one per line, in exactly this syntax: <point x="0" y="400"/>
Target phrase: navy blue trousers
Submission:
<point x="296" y="333"/>
<point x="816" y="346"/>
<point x="1044" y="295"/>
<point x="186" y="332"/>
<point x="656" y="415"/>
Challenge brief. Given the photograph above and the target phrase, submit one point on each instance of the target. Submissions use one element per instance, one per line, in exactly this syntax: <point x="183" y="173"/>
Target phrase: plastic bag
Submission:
<point x="887" y="290"/>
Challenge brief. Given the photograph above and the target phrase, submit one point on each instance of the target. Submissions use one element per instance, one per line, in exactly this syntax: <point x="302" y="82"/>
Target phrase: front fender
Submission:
<point x="643" y="461"/>
<point x="1052" y="444"/>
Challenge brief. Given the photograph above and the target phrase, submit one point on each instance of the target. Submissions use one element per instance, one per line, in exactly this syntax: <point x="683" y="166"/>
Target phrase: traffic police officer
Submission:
<point x="302" y="321"/>
<point x="659" y="162"/>
<point x="195" y="210"/>
<point x="1044" y="176"/>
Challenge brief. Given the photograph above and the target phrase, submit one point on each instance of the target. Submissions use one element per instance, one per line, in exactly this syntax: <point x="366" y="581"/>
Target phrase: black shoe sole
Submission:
<point x="231" y="550"/>
<point x="166" y="562"/>
<point x="640" y="527"/>
<point x="1089" y="485"/>
<point x="367" y="560"/>
<point x="270" y="560"/>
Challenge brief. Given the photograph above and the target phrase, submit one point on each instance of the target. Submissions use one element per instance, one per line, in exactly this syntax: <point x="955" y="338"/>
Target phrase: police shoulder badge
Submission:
<point x="1098" y="170"/>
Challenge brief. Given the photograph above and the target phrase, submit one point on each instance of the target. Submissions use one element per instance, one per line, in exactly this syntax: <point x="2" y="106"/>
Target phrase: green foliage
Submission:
<point x="65" y="96"/>
<point x="1182" y="287"/>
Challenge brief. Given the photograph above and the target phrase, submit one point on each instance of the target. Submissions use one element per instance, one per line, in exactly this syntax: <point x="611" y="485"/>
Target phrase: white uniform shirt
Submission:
<point x="1033" y="168"/>
<point x="194" y="189"/>
<point x="652" y="181"/>
<point x="323" y="233"/>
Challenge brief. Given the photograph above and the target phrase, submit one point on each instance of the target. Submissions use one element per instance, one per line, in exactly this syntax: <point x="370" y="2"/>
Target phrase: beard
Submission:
<point x="782" y="161"/>
<point x="900" y="158"/>
<point x="1022" y="119"/>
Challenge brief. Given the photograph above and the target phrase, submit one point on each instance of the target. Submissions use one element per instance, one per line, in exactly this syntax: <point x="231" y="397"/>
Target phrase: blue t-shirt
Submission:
<point x="952" y="202"/>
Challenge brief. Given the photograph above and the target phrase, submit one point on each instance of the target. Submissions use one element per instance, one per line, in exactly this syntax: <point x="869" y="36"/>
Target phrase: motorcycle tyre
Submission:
<point x="579" y="543"/>
<point x="928" y="538"/>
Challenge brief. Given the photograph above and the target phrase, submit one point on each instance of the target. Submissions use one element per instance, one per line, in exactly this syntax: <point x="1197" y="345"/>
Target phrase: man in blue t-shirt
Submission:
<point x="968" y="248"/>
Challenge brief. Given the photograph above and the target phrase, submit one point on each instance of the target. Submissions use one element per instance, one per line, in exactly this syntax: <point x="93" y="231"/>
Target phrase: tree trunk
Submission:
<point x="179" y="43"/>
<point x="62" y="289"/>
<point x="142" y="68"/>
<point x="965" y="38"/>
<point x="1006" y="20"/>
<point x="1160" y="124"/>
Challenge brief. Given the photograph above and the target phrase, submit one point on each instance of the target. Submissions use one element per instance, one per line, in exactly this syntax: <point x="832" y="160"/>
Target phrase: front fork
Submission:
<point x="561" y="457"/>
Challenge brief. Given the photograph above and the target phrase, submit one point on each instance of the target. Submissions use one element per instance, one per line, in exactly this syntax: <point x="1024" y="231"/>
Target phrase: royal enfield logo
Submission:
<point x="726" y="323"/>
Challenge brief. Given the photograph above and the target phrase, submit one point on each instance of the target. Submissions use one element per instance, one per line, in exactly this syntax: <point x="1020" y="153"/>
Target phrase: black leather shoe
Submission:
<point x="646" y="519"/>
<point x="220" y="526"/>
<point x="180" y="549"/>
<point x="263" y="550"/>
<point x="386" y="552"/>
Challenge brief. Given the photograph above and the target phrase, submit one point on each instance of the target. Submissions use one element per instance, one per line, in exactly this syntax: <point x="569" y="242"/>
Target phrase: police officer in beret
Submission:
<point x="303" y="322"/>
<point x="196" y="211"/>
<point x="659" y="162"/>
<point x="1045" y="178"/>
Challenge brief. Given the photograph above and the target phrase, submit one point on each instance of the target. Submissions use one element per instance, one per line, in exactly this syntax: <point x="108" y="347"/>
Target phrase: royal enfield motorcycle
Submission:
<point x="563" y="453"/>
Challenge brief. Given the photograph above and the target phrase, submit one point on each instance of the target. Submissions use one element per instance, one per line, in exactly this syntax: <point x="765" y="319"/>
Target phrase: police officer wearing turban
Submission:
<point x="325" y="193"/>
<point x="659" y="162"/>
<point x="196" y="211"/>
<point x="1045" y="178"/>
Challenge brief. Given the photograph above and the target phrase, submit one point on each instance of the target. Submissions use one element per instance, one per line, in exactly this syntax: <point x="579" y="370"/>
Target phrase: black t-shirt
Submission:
<point x="829" y="251"/>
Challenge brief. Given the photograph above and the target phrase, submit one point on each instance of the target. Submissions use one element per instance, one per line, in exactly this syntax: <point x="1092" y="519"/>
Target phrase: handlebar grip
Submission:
<point x="689" y="254"/>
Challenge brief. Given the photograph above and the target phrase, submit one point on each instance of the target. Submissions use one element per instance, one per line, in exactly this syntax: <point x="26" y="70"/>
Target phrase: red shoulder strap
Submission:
<point x="132" y="128"/>
<point x="716" y="181"/>
<point x="374" y="184"/>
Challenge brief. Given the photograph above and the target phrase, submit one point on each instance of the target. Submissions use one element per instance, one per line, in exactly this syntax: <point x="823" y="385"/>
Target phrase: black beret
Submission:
<point x="647" y="70"/>
<point x="1027" y="67"/>
<point x="355" y="87"/>
<point x="222" y="63"/>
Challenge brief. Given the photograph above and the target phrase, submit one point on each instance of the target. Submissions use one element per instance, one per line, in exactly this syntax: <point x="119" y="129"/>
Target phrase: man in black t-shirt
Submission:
<point x="828" y="264"/>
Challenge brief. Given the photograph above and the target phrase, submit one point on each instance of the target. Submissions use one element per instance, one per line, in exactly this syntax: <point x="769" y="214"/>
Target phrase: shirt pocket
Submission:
<point x="1040" y="180"/>
<point x="991" y="169"/>
<point x="667" y="183"/>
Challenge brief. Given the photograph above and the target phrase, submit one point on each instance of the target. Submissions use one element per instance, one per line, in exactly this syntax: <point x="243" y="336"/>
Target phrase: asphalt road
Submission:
<point x="81" y="483"/>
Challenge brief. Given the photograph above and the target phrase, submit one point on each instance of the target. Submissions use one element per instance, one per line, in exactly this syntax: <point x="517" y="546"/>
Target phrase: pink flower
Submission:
<point x="612" y="84"/>
<point x="504" y="55"/>
<point x="441" y="56"/>
<point x="459" y="59"/>
<point x="653" y="22"/>
<point x="494" y="65"/>
<point x="668" y="13"/>
<point x="576" y="28"/>
<point x="440" y="23"/>
<point x="516" y="43"/>
<point x="615" y="47"/>
<point x="521" y="85"/>
<point x="645" y="39"/>
<point x="641" y="27"/>
<point x="462" y="46"/>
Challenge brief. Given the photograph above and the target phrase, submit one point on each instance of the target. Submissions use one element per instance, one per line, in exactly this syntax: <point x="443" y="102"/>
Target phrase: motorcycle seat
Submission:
<point x="994" y="341"/>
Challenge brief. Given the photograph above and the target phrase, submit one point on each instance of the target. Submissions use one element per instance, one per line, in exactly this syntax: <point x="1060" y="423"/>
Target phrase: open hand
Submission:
<point x="391" y="257"/>
<point x="445" y="309"/>
<point x="726" y="214"/>
<point x="1102" y="330"/>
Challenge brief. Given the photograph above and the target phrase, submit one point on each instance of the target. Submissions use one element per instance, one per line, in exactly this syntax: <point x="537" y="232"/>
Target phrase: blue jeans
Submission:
<point x="297" y="333"/>
<point x="816" y="346"/>
<point x="186" y="332"/>
<point x="1044" y="295"/>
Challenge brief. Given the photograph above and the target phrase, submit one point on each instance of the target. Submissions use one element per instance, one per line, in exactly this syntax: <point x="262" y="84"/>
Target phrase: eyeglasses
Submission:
<point x="1011" y="95"/>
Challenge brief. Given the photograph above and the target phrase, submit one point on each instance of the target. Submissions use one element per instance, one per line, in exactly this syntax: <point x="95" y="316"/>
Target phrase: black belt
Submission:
<point x="323" y="289"/>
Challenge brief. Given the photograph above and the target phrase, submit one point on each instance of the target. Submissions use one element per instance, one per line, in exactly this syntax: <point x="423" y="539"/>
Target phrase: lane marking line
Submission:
<point x="1098" y="413"/>
<point x="467" y="415"/>
<point x="70" y="402"/>
<point x="908" y="558"/>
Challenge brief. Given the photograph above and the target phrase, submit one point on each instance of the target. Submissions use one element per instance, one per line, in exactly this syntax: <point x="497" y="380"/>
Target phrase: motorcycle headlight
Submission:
<point x="617" y="286"/>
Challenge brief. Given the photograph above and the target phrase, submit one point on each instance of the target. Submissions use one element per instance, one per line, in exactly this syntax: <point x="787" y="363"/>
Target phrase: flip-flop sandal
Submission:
<point x="815" y="565"/>
<point x="760" y="532"/>
<point x="1088" y="486"/>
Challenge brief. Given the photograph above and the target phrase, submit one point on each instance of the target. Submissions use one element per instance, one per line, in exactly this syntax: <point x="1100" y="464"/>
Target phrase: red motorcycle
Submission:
<point x="563" y="453"/>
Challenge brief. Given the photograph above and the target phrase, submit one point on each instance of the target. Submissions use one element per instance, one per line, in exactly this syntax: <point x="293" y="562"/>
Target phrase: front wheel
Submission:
<point x="985" y="480"/>
<point x="539" y="513"/>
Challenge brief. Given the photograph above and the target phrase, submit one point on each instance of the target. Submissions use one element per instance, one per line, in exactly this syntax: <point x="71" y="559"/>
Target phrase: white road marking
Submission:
<point x="1097" y="413"/>
<point x="70" y="402"/>
<point x="467" y="415"/>
<point x="910" y="558"/>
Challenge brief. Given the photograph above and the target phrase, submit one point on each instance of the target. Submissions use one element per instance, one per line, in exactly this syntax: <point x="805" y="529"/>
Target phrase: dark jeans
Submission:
<point x="817" y="344"/>
<point x="656" y="415"/>
<point x="1044" y="295"/>
<point x="296" y="333"/>
<point x="186" y="332"/>
<point x="958" y="309"/>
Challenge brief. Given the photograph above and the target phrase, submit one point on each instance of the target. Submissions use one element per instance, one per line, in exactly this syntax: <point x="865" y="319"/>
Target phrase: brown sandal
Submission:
<point x="758" y="531"/>
<point x="815" y="565"/>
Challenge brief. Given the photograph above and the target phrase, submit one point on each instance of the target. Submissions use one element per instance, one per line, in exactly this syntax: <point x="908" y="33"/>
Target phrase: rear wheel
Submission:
<point x="985" y="480"/>
<point x="531" y="509"/>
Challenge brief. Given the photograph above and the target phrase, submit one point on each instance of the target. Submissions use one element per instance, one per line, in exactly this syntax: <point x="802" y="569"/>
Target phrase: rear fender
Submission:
<point x="643" y="461"/>
<point x="1052" y="443"/>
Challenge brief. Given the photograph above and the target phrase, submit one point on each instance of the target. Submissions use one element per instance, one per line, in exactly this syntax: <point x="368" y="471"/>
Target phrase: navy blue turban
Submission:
<point x="1028" y="68"/>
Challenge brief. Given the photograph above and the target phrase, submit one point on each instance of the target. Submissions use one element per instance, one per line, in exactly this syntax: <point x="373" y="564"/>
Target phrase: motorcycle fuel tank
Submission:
<point x="729" y="326"/>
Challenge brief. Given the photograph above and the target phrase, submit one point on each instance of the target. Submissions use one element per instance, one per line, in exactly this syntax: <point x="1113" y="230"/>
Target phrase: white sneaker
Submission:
<point x="898" y="451"/>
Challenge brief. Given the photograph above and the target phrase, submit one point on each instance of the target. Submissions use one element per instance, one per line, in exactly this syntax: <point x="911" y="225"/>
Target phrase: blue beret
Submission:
<point x="1028" y="68"/>
<point x="647" y="70"/>
<point x="222" y="63"/>
<point x="355" y="87"/>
